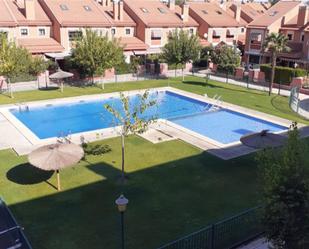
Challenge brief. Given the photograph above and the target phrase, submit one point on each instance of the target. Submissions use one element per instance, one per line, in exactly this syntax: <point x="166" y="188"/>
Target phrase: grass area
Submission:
<point x="173" y="188"/>
<point x="257" y="100"/>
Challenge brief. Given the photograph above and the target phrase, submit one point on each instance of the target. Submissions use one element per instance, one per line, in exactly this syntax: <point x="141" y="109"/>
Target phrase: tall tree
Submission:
<point x="285" y="193"/>
<point x="94" y="54"/>
<point x="182" y="47"/>
<point x="226" y="58"/>
<point x="275" y="43"/>
<point x="131" y="118"/>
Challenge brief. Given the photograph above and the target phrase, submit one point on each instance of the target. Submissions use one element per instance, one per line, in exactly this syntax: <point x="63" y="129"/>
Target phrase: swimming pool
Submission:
<point x="222" y="125"/>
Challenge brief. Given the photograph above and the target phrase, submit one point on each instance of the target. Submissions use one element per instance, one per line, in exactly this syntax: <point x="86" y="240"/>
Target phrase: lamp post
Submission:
<point x="122" y="203"/>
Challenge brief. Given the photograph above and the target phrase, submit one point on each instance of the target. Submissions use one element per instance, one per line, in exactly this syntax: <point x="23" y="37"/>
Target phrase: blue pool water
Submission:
<point x="223" y="126"/>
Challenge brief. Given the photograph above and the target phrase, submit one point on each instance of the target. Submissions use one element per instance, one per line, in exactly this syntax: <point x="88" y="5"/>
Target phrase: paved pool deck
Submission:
<point x="17" y="137"/>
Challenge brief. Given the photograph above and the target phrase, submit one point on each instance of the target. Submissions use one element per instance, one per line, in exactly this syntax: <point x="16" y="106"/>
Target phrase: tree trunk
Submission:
<point x="273" y="68"/>
<point x="10" y="87"/>
<point x="183" y="75"/>
<point x="122" y="159"/>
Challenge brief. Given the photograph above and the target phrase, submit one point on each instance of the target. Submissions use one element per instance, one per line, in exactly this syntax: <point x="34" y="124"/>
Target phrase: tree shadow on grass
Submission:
<point x="26" y="174"/>
<point x="277" y="104"/>
<point x="50" y="88"/>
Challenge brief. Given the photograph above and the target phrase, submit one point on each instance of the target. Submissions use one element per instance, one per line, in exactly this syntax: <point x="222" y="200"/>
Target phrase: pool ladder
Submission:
<point x="215" y="106"/>
<point x="22" y="107"/>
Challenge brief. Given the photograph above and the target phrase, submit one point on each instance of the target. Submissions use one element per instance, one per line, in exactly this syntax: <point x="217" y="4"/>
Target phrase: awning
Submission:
<point x="40" y="45"/>
<point x="156" y="33"/>
<point x="132" y="44"/>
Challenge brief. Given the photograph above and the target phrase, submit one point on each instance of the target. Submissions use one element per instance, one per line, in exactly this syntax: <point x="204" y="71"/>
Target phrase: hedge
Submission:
<point x="283" y="75"/>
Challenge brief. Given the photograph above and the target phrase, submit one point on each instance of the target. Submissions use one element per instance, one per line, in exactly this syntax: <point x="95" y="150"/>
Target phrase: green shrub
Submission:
<point x="283" y="75"/>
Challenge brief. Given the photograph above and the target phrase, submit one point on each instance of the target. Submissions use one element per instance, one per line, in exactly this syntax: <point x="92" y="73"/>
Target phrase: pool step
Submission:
<point x="156" y="136"/>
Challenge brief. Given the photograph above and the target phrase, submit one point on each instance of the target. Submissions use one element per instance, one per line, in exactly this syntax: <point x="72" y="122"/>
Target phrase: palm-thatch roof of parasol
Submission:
<point x="59" y="75"/>
<point x="56" y="157"/>
<point x="263" y="139"/>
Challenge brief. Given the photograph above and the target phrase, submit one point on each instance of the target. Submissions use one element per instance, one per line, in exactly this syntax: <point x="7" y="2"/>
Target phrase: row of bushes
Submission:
<point x="283" y="75"/>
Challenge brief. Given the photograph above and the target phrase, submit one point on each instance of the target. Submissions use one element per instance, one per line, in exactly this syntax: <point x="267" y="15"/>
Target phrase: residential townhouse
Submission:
<point x="155" y="20"/>
<point x="71" y="18"/>
<point x="215" y="24"/>
<point x="26" y="23"/>
<point x="289" y="17"/>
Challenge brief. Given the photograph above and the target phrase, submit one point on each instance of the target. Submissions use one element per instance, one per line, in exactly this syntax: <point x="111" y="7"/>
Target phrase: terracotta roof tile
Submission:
<point x="75" y="14"/>
<point x="40" y="45"/>
<point x="132" y="43"/>
<point x="154" y="13"/>
<point x="275" y="13"/>
<point x="212" y="14"/>
<point x="14" y="12"/>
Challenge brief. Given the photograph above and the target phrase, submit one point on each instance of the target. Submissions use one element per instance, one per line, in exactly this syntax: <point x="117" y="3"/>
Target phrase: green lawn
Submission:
<point x="276" y="105"/>
<point x="173" y="189"/>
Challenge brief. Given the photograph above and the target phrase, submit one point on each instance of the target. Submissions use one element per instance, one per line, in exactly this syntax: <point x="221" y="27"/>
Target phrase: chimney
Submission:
<point x="237" y="12"/>
<point x="120" y="9"/>
<point x="116" y="9"/>
<point x="185" y="12"/>
<point x="302" y="16"/>
<point x="171" y="4"/>
<point x="30" y="9"/>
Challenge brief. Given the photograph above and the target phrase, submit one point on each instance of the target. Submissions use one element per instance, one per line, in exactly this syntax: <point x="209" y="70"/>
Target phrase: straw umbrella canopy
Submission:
<point x="60" y="76"/>
<point x="263" y="139"/>
<point x="207" y="73"/>
<point x="56" y="157"/>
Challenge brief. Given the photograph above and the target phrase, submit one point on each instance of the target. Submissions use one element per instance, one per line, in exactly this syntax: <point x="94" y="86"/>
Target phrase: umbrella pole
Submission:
<point x="62" y="86"/>
<point x="58" y="180"/>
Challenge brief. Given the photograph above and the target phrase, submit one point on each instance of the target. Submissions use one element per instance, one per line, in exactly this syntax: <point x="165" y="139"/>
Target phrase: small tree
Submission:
<point x="285" y="194"/>
<point x="181" y="48"/>
<point x="13" y="60"/>
<point x="227" y="58"/>
<point x="274" y="44"/>
<point x="37" y="66"/>
<point x="131" y="119"/>
<point x="94" y="54"/>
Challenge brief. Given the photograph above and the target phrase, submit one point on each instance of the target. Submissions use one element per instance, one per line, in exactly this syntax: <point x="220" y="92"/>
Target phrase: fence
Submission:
<point x="225" y="234"/>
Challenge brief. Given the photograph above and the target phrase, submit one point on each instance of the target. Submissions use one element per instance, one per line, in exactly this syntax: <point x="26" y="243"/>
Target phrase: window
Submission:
<point x="242" y="30"/>
<point x="24" y="32"/>
<point x="256" y="37"/>
<point x="4" y="33"/>
<point x="75" y="35"/>
<point x="273" y="13"/>
<point x="162" y="11"/>
<point x="144" y="10"/>
<point x="191" y="31"/>
<point x="290" y="37"/>
<point x="87" y="8"/>
<point x="113" y="31"/>
<point x="63" y="7"/>
<point x="156" y="34"/>
<point x="302" y="37"/>
<point x="128" y="31"/>
<point x="42" y="32"/>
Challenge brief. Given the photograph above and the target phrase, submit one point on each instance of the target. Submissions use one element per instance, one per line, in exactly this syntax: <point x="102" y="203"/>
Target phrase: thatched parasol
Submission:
<point x="56" y="157"/>
<point x="60" y="76"/>
<point x="262" y="139"/>
<point x="207" y="73"/>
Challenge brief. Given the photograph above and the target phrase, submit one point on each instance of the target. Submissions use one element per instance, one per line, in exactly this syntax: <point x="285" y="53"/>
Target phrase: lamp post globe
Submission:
<point x="122" y="203"/>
